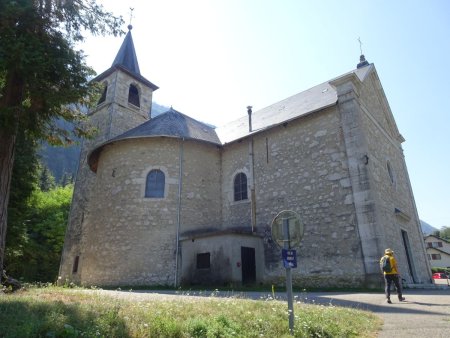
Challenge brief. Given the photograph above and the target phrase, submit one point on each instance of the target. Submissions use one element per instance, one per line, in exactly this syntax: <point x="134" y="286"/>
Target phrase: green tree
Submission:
<point x="42" y="75"/>
<point x="24" y="181"/>
<point x="64" y="180"/>
<point x="37" y="254"/>
<point x="29" y="218"/>
<point x="46" y="179"/>
<point x="436" y="233"/>
<point x="445" y="233"/>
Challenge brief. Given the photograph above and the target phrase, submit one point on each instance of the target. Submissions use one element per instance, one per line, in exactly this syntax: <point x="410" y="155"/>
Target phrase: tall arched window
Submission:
<point x="133" y="95"/>
<point x="240" y="187"/>
<point x="103" y="97"/>
<point x="155" y="184"/>
<point x="390" y="172"/>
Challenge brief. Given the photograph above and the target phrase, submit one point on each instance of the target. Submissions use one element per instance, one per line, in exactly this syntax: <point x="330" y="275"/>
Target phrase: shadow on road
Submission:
<point x="373" y="305"/>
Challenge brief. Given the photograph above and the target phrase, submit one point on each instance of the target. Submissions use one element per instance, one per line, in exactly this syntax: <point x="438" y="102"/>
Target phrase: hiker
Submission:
<point x="388" y="266"/>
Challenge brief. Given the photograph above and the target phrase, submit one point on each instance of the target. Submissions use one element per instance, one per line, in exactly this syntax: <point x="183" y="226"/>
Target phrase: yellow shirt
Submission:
<point x="394" y="269"/>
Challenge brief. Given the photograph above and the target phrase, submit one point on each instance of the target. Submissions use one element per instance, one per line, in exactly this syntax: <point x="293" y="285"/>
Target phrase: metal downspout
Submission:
<point x="252" y="171"/>
<point x="180" y="181"/>
<point x="252" y="185"/>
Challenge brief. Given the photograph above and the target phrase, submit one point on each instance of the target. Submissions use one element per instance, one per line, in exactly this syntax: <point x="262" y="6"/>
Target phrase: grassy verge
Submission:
<point x="58" y="312"/>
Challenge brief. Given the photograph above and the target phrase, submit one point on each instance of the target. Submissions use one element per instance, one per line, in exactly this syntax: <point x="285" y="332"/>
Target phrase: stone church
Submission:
<point x="169" y="200"/>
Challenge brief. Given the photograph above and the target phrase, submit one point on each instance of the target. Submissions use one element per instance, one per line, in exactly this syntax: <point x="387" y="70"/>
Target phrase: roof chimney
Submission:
<point x="249" y="111"/>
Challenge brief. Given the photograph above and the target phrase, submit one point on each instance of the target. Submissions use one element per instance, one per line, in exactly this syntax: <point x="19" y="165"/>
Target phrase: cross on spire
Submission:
<point x="362" y="59"/>
<point x="131" y="18"/>
<point x="360" y="45"/>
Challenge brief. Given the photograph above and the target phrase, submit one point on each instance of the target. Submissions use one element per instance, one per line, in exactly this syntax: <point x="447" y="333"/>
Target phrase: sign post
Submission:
<point x="287" y="245"/>
<point x="287" y="232"/>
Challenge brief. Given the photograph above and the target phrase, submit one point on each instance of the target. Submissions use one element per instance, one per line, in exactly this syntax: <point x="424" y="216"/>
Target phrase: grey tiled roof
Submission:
<point x="126" y="60"/>
<point x="169" y="124"/>
<point x="301" y="104"/>
<point x="173" y="124"/>
<point x="126" y="56"/>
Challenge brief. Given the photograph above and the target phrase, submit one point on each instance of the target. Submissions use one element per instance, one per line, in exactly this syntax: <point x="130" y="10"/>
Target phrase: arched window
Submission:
<point x="155" y="184"/>
<point x="240" y="187"/>
<point x="103" y="97"/>
<point x="133" y="95"/>
<point x="390" y="172"/>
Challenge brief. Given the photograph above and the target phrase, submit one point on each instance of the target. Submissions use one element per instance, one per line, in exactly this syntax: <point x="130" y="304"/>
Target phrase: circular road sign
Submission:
<point x="287" y="229"/>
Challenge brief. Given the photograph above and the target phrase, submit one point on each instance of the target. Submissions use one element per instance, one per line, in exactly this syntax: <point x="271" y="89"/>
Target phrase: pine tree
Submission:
<point x="24" y="182"/>
<point x="42" y="76"/>
<point x="46" y="179"/>
<point x="64" y="179"/>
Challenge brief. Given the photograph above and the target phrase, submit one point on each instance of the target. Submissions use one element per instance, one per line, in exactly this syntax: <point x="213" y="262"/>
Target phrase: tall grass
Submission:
<point x="58" y="312"/>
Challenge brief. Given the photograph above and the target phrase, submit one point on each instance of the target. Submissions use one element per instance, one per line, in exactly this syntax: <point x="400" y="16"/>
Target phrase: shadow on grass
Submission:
<point x="31" y="318"/>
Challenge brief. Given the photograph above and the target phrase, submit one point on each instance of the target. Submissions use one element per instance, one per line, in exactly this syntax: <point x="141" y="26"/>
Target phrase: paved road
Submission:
<point x="425" y="313"/>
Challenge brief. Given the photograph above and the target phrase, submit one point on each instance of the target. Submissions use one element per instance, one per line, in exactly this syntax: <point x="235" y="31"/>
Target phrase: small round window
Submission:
<point x="390" y="172"/>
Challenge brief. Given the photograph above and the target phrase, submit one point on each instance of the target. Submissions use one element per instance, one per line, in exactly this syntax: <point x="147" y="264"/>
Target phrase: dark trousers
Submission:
<point x="388" y="280"/>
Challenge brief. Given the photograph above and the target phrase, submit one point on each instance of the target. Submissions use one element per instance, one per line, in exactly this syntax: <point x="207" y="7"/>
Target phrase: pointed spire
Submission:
<point x="126" y="57"/>
<point x="126" y="61"/>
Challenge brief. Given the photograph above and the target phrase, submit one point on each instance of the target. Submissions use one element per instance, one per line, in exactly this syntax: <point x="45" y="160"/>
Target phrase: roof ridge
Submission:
<point x="171" y="109"/>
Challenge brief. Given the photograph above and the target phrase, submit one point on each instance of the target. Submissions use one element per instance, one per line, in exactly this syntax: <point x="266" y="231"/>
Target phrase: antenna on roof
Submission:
<point x="130" y="27"/>
<point x="362" y="59"/>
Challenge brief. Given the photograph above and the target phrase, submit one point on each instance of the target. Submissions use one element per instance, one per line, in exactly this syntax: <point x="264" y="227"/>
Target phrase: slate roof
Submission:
<point x="437" y="249"/>
<point x="126" y="56"/>
<point x="173" y="124"/>
<point x="437" y="237"/>
<point x="169" y="124"/>
<point x="126" y="60"/>
<point x="301" y="104"/>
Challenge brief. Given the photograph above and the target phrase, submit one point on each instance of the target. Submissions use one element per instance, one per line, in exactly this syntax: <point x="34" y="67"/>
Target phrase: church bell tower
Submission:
<point x="125" y="103"/>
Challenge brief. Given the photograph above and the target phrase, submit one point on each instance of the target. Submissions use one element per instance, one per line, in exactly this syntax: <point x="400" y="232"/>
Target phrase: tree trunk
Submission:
<point x="10" y="100"/>
<point x="7" y="147"/>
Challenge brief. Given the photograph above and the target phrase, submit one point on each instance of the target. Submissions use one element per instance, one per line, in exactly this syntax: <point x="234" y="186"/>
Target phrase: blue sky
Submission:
<point x="212" y="58"/>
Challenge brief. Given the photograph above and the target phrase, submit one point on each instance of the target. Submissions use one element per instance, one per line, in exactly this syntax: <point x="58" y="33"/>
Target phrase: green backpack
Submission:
<point x="385" y="264"/>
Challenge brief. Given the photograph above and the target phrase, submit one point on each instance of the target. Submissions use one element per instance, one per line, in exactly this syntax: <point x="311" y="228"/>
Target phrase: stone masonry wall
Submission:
<point x="392" y="187"/>
<point x="235" y="159"/>
<point x="111" y="118"/>
<point x="130" y="239"/>
<point x="201" y="208"/>
<point x="302" y="166"/>
<point x="341" y="169"/>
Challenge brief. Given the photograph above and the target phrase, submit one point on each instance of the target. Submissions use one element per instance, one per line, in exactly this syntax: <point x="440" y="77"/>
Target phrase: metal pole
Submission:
<point x="287" y="245"/>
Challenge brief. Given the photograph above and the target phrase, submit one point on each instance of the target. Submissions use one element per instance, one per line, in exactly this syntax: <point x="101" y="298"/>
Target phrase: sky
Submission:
<point x="213" y="58"/>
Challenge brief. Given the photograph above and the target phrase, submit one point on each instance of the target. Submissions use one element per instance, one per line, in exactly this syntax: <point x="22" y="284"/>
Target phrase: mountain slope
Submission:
<point x="427" y="229"/>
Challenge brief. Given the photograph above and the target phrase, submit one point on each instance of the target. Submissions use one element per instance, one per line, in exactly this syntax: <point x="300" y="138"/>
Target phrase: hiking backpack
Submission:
<point x="385" y="264"/>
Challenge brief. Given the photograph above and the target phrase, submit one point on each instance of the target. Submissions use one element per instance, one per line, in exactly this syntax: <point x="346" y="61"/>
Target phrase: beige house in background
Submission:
<point x="169" y="200"/>
<point x="438" y="251"/>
